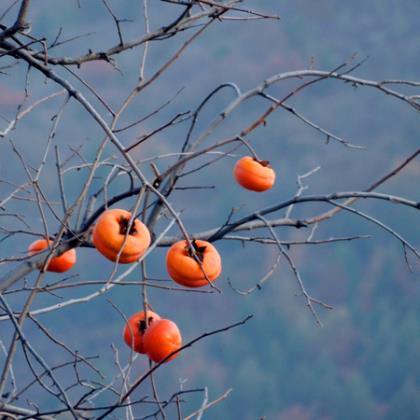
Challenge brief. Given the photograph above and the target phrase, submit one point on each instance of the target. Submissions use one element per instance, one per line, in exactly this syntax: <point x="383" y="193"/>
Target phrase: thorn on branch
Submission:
<point x="103" y="56"/>
<point x="156" y="183"/>
<point x="300" y="224"/>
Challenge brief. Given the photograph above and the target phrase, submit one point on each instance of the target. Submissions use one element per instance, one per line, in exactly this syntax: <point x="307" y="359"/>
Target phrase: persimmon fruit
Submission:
<point x="59" y="264"/>
<point x="112" y="235"/>
<point x="135" y="328"/>
<point x="253" y="174"/>
<point x="183" y="268"/>
<point x="162" y="338"/>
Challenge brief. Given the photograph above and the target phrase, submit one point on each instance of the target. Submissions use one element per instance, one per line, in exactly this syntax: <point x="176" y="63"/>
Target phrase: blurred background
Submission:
<point x="363" y="364"/>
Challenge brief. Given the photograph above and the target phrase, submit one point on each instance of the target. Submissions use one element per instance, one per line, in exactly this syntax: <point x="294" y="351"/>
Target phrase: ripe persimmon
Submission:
<point x="135" y="328"/>
<point x="184" y="269"/>
<point x="58" y="264"/>
<point x="254" y="174"/>
<point x="111" y="232"/>
<point x="161" y="339"/>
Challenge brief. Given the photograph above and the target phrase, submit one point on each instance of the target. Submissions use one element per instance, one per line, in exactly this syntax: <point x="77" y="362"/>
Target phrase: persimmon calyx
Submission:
<point x="198" y="250"/>
<point x="124" y="223"/>
<point x="143" y="324"/>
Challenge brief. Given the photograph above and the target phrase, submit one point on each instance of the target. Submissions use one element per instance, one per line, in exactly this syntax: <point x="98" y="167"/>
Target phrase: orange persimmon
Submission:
<point x="110" y="234"/>
<point x="161" y="339"/>
<point x="184" y="269"/>
<point x="135" y="328"/>
<point x="58" y="264"/>
<point x="254" y="174"/>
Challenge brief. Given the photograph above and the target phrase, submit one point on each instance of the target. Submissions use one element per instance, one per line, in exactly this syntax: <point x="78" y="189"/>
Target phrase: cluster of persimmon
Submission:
<point x="147" y="333"/>
<point x="121" y="238"/>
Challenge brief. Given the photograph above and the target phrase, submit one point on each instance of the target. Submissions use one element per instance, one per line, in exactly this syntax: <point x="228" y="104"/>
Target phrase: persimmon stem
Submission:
<point x="264" y="163"/>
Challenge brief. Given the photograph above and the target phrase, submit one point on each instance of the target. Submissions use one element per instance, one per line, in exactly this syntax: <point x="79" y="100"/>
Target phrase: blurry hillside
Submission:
<point x="364" y="363"/>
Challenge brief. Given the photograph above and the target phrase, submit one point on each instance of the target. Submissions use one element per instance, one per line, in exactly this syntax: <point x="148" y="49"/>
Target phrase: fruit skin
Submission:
<point x="135" y="328"/>
<point x="253" y="174"/>
<point x="185" y="270"/>
<point x="161" y="339"/>
<point x="59" y="264"/>
<point x="109" y="234"/>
